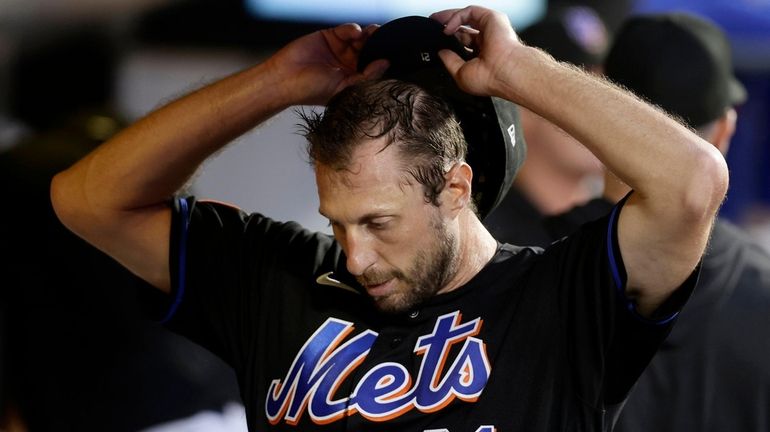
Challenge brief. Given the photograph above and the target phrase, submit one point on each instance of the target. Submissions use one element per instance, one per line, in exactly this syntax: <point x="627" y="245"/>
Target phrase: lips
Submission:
<point x="381" y="289"/>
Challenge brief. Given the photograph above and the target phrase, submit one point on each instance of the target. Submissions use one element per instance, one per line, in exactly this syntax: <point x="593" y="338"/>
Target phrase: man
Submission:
<point x="419" y="319"/>
<point x="559" y="172"/>
<point x="713" y="371"/>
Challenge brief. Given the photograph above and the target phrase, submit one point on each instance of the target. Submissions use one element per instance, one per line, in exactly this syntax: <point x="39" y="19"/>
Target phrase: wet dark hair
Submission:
<point x="422" y="126"/>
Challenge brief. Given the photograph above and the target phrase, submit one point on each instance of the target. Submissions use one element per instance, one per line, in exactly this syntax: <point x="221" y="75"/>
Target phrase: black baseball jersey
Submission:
<point x="537" y="341"/>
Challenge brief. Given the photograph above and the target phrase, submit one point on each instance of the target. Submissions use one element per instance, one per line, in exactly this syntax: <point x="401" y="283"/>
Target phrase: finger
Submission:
<point x="472" y="18"/>
<point x="376" y="69"/>
<point x="467" y="39"/>
<point x="347" y="32"/>
<point x="458" y="17"/>
<point x="464" y="29"/>
<point x="359" y="43"/>
<point x="349" y="81"/>
<point x="444" y="15"/>
<point x="370" y="29"/>
<point x="452" y="61"/>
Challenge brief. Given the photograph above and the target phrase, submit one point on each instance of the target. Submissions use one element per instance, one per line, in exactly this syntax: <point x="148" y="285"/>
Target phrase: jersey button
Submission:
<point x="396" y="341"/>
<point x="414" y="314"/>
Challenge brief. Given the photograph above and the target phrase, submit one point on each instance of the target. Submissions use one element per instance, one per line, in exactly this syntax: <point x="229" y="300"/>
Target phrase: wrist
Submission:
<point x="276" y="81"/>
<point x="532" y="78"/>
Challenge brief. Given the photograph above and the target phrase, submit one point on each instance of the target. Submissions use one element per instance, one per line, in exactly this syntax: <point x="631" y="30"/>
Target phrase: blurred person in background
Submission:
<point x="712" y="373"/>
<point x="79" y="354"/>
<point x="559" y="172"/>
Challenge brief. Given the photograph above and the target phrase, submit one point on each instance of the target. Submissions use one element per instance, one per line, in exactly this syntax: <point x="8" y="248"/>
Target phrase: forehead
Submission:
<point x="376" y="178"/>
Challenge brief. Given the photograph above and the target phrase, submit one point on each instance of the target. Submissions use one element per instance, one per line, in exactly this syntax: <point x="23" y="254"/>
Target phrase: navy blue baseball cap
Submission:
<point x="496" y="147"/>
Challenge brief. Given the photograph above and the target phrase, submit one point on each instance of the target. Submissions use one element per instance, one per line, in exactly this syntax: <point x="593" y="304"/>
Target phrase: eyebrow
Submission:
<point x="368" y="217"/>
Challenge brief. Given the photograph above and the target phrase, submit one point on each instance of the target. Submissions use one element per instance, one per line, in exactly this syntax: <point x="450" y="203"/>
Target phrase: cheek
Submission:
<point x="399" y="247"/>
<point x="419" y="240"/>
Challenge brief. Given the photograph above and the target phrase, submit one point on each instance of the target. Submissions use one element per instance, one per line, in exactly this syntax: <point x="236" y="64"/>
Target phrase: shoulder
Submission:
<point x="214" y="227"/>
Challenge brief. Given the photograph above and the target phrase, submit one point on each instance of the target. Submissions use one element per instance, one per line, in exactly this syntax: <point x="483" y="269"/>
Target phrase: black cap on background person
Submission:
<point x="679" y="62"/>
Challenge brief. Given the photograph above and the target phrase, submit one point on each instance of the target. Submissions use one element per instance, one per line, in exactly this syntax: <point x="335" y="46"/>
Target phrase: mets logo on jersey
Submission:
<point x="387" y="390"/>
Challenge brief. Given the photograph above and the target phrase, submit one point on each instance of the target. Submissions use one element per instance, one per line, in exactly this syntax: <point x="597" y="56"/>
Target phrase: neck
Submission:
<point x="476" y="247"/>
<point x="552" y="191"/>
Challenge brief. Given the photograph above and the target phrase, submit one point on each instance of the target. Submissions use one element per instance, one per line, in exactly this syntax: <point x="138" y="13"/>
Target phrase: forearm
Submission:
<point x="678" y="179"/>
<point x="117" y="197"/>
<point x="653" y="154"/>
<point x="150" y="160"/>
<point x="659" y="158"/>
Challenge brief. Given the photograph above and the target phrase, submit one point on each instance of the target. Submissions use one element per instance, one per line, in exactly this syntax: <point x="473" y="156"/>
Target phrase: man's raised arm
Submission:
<point x="117" y="197"/>
<point x="679" y="180"/>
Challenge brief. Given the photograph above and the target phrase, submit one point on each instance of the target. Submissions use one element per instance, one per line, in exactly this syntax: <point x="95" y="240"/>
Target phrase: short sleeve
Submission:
<point x="608" y="342"/>
<point x="222" y="260"/>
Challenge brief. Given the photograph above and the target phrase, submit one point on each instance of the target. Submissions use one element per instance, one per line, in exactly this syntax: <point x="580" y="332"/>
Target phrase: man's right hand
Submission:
<point x="319" y="65"/>
<point x="490" y="35"/>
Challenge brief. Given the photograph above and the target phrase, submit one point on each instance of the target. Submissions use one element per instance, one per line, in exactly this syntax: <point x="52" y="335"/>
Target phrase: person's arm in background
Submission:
<point x="679" y="180"/>
<point x="117" y="197"/>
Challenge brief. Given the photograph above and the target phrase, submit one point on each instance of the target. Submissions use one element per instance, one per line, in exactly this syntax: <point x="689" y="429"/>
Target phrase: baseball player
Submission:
<point x="412" y="316"/>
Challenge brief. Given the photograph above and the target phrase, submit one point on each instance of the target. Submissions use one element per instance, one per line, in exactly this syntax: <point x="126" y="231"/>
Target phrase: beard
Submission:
<point x="432" y="269"/>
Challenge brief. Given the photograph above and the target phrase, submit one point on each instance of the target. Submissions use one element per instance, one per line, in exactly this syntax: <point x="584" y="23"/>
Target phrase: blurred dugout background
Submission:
<point x="164" y="48"/>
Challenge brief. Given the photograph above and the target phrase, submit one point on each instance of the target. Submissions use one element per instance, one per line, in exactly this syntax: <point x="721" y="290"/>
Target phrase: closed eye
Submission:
<point x="380" y="223"/>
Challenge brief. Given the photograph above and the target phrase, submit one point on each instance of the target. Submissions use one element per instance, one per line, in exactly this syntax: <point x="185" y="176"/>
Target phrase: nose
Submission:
<point x="360" y="252"/>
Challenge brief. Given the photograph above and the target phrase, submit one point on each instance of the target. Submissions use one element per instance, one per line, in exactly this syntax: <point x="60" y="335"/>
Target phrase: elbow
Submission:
<point x="708" y="186"/>
<point x="59" y="198"/>
<point x="65" y="200"/>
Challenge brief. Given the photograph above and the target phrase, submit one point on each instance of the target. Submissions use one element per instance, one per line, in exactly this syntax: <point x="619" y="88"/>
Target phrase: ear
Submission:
<point x="724" y="130"/>
<point x="456" y="195"/>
